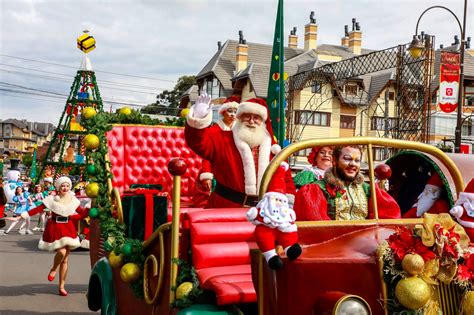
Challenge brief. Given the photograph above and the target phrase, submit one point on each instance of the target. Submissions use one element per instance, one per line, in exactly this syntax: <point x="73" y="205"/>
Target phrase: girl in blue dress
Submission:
<point x="22" y="203"/>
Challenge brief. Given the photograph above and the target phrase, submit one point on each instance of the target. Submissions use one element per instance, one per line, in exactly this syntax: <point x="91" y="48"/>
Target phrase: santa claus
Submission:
<point x="238" y="157"/>
<point x="275" y="222"/>
<point x="202" y="187"/>
<point x="463" y="210"/>
<point x="430" y="200"/>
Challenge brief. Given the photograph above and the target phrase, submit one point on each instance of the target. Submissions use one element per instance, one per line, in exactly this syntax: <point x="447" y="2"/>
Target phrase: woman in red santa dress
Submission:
<point x="463" y="210"/>
<point x="60" y="234"/>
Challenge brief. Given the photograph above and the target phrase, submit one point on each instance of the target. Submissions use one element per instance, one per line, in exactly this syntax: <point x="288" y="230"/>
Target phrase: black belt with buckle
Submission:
<point x="236" y="196"/>
<point x="62" y="219"/>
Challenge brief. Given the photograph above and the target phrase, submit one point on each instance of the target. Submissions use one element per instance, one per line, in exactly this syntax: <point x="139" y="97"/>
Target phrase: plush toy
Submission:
<point x="429" y="201"/>
<point x="463" y="210"/>
<point x="275" y="222"/>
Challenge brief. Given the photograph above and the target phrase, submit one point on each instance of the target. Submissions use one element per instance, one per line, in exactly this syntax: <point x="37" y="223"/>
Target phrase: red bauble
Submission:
<point x="177" y="167"/>
<point x="383" y="171"/>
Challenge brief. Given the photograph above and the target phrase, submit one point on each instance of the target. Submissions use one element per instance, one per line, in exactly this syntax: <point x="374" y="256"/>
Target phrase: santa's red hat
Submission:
<point x="258" y="106"/>
<point x="230" y="102"/>
<point x="277" y="186"/>
<point x="435" y="180"/>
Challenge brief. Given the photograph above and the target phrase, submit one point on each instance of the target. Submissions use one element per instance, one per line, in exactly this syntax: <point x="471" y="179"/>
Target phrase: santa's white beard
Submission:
<point x="252" y="136"/>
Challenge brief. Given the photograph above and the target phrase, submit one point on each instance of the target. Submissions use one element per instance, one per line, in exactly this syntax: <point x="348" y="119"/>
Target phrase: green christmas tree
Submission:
<point x="66" y="152"/>
<point x="276" y="85"/>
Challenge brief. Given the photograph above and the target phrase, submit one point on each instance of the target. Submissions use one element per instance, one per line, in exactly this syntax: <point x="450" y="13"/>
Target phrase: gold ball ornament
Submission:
<point x="184" y="113"/>
<point x="183" y="290"/>
<point x="88" y="112"/>
<point x="115" y="261"/>
<point x="129" y="272"/>
<point x="125" y="111"/>
<point x="413" y="292"/>
<point x="468" y="303"/>
<point x="92" y="190"/>
<point x="413" y="264"/>
<point x="91" y="142"/>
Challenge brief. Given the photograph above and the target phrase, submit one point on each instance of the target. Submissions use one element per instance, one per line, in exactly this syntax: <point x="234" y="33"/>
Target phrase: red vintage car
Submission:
<point x="339" y="272"/>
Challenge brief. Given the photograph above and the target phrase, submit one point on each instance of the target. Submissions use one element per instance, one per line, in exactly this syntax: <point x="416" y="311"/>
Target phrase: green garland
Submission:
<point x="187" y="273"/>
<point x="112" y="232"/>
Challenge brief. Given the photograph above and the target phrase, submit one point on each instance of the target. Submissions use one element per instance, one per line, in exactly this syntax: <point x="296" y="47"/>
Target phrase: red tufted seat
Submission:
<point x="140" y="155"/>
<point x="221" y="240"/>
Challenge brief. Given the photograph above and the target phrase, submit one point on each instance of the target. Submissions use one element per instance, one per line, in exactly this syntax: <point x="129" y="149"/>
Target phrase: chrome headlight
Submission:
<point x="352" y="305"/>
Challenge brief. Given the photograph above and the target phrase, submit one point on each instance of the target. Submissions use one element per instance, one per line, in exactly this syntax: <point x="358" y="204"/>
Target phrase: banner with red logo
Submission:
<point x="449" y="81"/>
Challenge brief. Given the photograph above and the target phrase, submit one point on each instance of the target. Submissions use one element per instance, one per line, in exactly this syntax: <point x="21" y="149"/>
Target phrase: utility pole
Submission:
<point x="386" y="120"/>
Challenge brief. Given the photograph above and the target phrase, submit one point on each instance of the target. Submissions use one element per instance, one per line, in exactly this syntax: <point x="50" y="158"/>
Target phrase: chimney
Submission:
<point x="311" y="33"/>
<point x="345" y="39"/>
<point x="355" y="38"/>
<point x="456" y="40"/>
<point x="468" y="47"/>
<point x="293" y="39"/>
<point x="242" y="55"/>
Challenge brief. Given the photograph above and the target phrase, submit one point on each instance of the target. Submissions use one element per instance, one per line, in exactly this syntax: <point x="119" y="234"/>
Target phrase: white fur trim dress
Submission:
<point x="61" y="229"/>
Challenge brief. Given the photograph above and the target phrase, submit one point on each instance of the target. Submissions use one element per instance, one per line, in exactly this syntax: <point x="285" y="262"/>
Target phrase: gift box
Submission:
<point x="144" y="210"/>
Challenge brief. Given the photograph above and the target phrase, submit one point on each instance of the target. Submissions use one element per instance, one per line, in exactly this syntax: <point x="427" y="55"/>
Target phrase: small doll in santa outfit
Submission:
<point x="275" y="222"/>
<point x="463" y="209"/>
<point x="430" y="200"/>
<point x="60" y="234"/>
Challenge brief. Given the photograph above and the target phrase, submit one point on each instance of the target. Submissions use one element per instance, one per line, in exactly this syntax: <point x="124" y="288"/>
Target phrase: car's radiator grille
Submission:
<point x="448" y="298"/>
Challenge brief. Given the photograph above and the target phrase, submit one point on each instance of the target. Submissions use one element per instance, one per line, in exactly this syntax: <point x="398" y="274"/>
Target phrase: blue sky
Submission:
<point x="143" y="47"/>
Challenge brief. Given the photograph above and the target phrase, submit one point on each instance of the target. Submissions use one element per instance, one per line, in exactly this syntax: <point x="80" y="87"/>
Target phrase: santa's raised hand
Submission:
<point x="202" y="107"/>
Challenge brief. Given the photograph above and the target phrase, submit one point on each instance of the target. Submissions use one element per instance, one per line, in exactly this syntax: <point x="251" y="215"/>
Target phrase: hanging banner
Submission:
<point x="449" y="81"/>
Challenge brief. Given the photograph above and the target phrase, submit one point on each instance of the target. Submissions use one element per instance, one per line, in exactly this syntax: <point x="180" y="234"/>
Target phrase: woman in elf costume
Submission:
<point x="60" y="234"/>
<point x="320" y="159"/>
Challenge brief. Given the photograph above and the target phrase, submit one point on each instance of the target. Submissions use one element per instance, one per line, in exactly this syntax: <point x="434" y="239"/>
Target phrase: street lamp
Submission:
<point x="416" y="49"/>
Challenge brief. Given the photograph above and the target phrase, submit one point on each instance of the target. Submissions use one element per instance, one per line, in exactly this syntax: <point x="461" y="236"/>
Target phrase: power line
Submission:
<point x="69" y="76"/>
<point x="60" y="96"/>
<point x="102" y="86"/>
<point x="68" y="66"/>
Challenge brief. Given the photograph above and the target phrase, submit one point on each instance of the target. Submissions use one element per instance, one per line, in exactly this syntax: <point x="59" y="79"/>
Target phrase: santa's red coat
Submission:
<point x="200" y="193"/>
<point x="220" y="149"/>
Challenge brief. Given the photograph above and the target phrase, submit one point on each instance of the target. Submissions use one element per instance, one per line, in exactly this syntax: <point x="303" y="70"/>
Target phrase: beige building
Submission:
<point x="20" y="136"/>
<point x="360" y="106"/>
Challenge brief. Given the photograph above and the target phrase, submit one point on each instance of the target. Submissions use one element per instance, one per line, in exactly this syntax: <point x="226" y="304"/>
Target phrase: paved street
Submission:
<point x="24" y="288"/>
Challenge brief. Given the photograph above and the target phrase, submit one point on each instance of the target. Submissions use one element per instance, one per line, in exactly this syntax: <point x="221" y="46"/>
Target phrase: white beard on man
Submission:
<point x="254" y="135"/>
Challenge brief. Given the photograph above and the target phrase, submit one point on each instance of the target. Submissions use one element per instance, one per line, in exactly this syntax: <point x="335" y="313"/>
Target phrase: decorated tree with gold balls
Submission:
<point x="71" y="143"/>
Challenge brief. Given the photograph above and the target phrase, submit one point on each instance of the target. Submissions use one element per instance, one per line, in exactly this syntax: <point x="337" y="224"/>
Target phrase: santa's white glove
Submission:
<point x="252" y="214"/>
<point x="456" y="211"/>
<point x="202" y="107"/>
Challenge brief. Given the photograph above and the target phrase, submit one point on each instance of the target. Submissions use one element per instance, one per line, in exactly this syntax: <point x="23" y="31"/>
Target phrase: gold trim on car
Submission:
<point x="399" y="144"/>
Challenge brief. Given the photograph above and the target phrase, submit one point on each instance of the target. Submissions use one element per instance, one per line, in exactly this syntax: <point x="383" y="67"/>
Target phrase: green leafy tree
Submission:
<point x="444" y="147"/>
<point x="167" y="102"/>
<point x="27" y="159"/>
